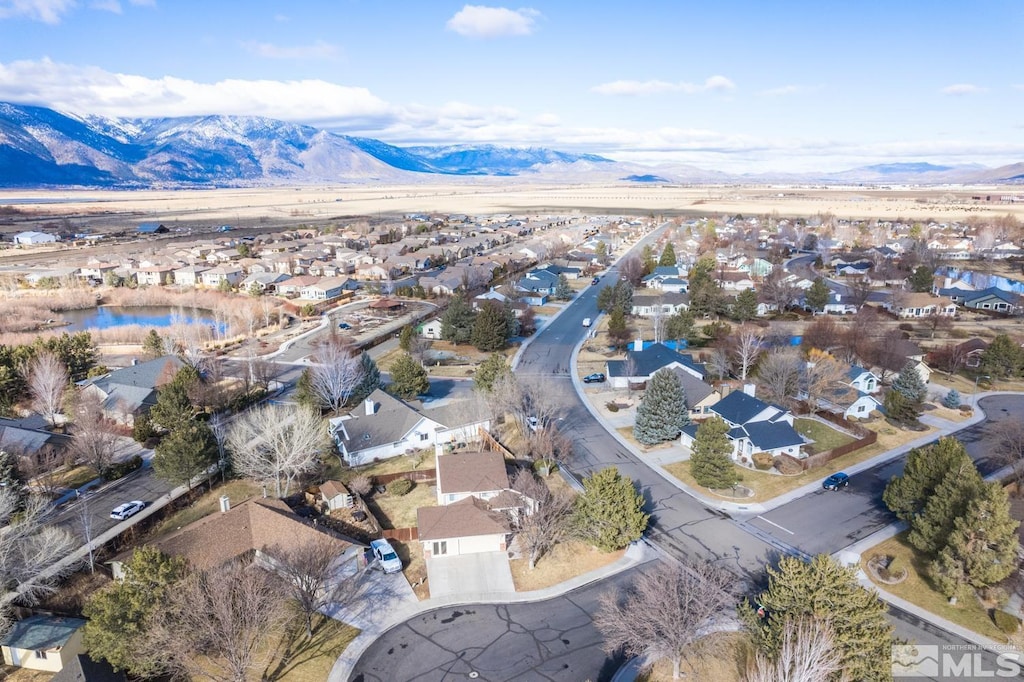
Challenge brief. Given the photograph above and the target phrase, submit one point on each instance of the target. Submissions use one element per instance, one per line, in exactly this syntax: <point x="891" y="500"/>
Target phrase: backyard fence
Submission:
<point x="417" y="476"/>
<point x="402" y="534"/>
<point x="822" y="458"/>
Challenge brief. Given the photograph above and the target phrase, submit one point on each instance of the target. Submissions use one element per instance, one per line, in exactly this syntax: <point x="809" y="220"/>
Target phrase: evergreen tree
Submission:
<point x="606" y="298"/>
<point x="711" y="462"/>
<point x="185" y="453"/>
<point x="490" y="328"/>
<point x="623" y="297"/>
<point x="910" y="384"/>
<point x="982" y="549"/>
<point x="907" y="494"/>
<point x="369" y="382"/>
<point x="601" y="251"/>
<point x="921" y="279"/>
<point x="408" y="378"/>
<point x="952" y="399"/>
<point x="618" y="332"/>
<point x="174" y="408"/>
<point x="563" y="290"/>
<point x="900" y="409"/>
<point x="745" y="306"/>
<point x="705" y="294"/>
<point x="489" y="370"/>
<point x="680" y="326"/>
<point x="457" y="321"/>
<point x="663" y="412"/>
<point x="609" y="512"/>
<point x="817" y="295"/>
<point x="929" y="530"/>
<point x="668" y="256"/>
<point x="254" y="290"/>
<point x="822" y="589"/>
<point x="405" y="337"/>
<point x="512" y="325"/>
<point x="1003" y="358"/>
<point x="648" y="259"/>
<point x="304" y="393"/>
<point x="120" y="614"/>
<point x="153" y="345"/>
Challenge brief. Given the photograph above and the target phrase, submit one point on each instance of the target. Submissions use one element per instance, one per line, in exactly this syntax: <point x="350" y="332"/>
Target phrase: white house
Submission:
<point x="431" y="330"/>
<point x="43" y="642"/>
<point x="918" y="305"/>
<point x="33" y="238"/>
<point x="755" y="426"/>
<point x="327" y="289"/>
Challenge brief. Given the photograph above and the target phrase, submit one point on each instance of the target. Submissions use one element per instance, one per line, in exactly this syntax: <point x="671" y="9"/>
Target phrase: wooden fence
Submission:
<point x="417" y="476"/>
<point x="822" y="458"/>
<point x="402" y="534"/>
<point x="492" y="443"/>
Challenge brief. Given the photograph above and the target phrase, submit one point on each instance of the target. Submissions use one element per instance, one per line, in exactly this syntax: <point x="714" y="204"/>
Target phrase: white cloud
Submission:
<point x="654" y="87"/>
<point x="1018" y="87"/>
<point x="479" y="21"/>
<point x="317" y="50"/>
<point x="963" y="89"/>
<point x="547" y="120"/>
<point x="113" y="6"/>
<point x="47" y="11"/>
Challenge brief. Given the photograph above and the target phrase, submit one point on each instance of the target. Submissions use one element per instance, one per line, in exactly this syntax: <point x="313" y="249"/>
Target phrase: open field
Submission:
<point x="279" y="206"/>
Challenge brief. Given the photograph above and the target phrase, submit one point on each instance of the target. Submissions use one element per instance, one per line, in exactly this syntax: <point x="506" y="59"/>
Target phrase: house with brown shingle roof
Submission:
<point x="468" y="526"/>
<point x="260" y="527"/>
<point x="477" y="474"/>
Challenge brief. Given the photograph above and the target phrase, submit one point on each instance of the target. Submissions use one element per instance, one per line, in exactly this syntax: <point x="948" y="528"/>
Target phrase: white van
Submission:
<point x="586" y="321"/>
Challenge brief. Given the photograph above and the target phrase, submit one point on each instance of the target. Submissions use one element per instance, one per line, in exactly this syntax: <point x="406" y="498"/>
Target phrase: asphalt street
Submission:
<point x="827" y="521"/>
<point x="552" y="640"/>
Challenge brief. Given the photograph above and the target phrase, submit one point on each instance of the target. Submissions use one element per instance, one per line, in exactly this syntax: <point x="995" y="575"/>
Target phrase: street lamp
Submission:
<point x="974" y="395"/>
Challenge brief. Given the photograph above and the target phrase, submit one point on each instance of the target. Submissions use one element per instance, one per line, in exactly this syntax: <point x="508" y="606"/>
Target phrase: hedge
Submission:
<point x="400" y="487"/>
<point x="122" y="469"/>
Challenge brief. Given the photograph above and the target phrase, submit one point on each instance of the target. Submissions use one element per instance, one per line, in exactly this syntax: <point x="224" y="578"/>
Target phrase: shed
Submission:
<point x="152" y="228"/>
<point x="43" y="642"/>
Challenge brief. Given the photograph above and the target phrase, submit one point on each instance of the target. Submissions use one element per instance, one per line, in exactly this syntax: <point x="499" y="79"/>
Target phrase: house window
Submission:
<point x="860" y="408"/>
<point x="450" y="497"/>
<point x="440" y="548"/>
<point x="40" y="654"/>
<point x="424" y="436"/>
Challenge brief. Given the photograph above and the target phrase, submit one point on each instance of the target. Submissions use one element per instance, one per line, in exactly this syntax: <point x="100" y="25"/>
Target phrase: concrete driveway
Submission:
<point x="374" y="600"/>
<point x="469" y="575"/>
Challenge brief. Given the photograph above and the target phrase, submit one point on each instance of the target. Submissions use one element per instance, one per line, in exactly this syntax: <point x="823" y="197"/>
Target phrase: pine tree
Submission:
<point x="606" y="298"/>
<point x="489" y="370"/>
<point x="952" y="399"/>
<point x="663" y="411"/>
<point x="907" y="494"/>
<point x="680" y="327"/>
<point x="711" y="462"/>
<point x="369" y="382"/>
<point x="930" y="530"/>
<point x="490" y="329"/>
<point x="408" y="378"/>
<point x="405" y="337"/>
<point x="563" y="290"/>
<point x="910" y="384"/>
<point x="174" y="408"/>
<point x="623" y="297"/>
<point x="185" y="453"/>
<point x="822" y="589"/>
<point x="921" y="279"/>
<point x="981" y="551"/>
<point x="745" y="306"/>
<point x="668" y="256"/>
<point x="457" y="321"/>
<point x="648" y="260"/>
<point x="817" y="295"/>
<point x="609" y="512"/>
<point x="1003" y="358"/>
<point x="618" y="332"/>
<point x="153" y="345"/>
<point x="900" y="409"/>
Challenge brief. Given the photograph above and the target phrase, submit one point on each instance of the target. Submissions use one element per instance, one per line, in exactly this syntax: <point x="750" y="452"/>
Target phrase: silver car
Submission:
<point x="127" y="509"/>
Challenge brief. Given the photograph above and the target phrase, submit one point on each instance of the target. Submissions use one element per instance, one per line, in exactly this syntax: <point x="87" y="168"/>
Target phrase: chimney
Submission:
<point x="371" y="407"/>
<point x="225" y="503"/>
<point x="839" y="297"/>
<point x="638" y="345"/>
<point x="749" y="389"/>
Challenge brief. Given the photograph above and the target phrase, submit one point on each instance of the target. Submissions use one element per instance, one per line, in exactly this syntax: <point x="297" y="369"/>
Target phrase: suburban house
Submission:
<point x="477" y="474"/>
<point x="641" y="364"/>
<point x="538" y="282"/>
<point x="213" y="277"/>
<point x="130" y="391"/>
<point x="735" y="280"/>
<point x="33" y="238"/>
<point x="917" y="305"/>
<point x="665" y="278"/>
<point x="996" y="300"/>
<point x="857" y="269"/>
<point x="264" y="281"/>
<point x="863" y="380"/>
<point x="259" y="527"/>
<point x="755" y="426"/>
<point x="852" y="397"/>
<point x="28" y="436"/>
<point x="327" y="289"/>
<point x="570" y="271"/>
<point x="431" y="330"/>
<point x="971" y="349"/>
<point x="155" y="275"/>
<point x="837" y="306"/>
<point x="190" y="275"/>
<point x="468" y="526"/>
<point x="384" y="426"/>
<point x="666" y="303"/>
<point x="43" y="642"/>
<point x="700" y="396"/>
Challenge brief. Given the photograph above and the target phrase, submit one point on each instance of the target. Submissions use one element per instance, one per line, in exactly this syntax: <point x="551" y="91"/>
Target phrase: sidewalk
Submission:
<point x="636" y="554"/>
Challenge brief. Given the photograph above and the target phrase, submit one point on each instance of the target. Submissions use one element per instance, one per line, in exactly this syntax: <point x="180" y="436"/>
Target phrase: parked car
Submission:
<point x="595" y="280"/>
<point x="385" y="554"/>
<point x="344" y="325"/>
<point x="122" y="512"/>
<point x="836" y="481"/>
<point x="595" y="378"/>
<point x="586" y="321"/>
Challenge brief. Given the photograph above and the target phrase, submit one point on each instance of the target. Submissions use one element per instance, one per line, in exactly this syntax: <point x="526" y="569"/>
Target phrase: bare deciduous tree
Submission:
<point x="807" y="654"/>
<point x="313" y="577"/>
<point x="666" y="612"/>
<point x="548" y="524"/>
<point x="361" y="485"/>
<point x="276" y="444"/>
<point x="93" y="438"/>
<point x="216" y="624"/>
<point x="47" y="381"/>
<point x="949" y="358"/>
<point x="1009" y="448"/>
<point x="747" y="349"/>
<point x="335" y="372"/>
<point x="525" y="398"/>
<point x="822" y="379"/>
<point x="779" y="291"/>
<point x="631" y="269"/>
<point x="718" y="363"/>
<point x="779" y="372"/>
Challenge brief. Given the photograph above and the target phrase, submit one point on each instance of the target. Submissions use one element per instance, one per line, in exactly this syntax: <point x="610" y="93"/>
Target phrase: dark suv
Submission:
<point x="836" y="481"/>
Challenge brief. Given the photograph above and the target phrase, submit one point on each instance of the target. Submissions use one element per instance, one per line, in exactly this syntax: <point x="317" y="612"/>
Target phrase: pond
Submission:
<point x="109" y="317"/>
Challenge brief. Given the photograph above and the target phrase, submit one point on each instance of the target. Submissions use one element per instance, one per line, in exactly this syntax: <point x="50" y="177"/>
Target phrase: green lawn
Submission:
<point x="824" y="437"/>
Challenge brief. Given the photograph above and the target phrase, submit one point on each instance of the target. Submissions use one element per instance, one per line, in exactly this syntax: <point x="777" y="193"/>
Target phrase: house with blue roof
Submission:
<point x="43" y="642"/>
<point x="992" y="299"/>
<point x="641" y="364"/>
<point x="755" y="426"/>
<point x="536" y="285"/>
<point x="152" y="228"/>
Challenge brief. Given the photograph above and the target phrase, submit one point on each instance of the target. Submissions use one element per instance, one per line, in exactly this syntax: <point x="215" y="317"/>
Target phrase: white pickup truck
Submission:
<point x="586" y="321"/>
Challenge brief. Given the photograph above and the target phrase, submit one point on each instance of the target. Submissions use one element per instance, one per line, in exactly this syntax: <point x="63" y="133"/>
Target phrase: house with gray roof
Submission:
<point x="641" y="364"/>
<point x="43" y="642"/>
<point x="993" y="299"/>
<point x="128" y="392"/>
<point x="385" y="426"/>
<point x="755" y="426"/>
<point x="28" y="436"/>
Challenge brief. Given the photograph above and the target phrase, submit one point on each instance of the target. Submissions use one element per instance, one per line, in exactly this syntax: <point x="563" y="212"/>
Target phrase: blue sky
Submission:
<point x="728" y="85"/>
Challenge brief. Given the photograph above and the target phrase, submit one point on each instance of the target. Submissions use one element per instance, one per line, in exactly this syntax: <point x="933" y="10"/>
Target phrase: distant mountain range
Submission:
<point x="40" y="147"/>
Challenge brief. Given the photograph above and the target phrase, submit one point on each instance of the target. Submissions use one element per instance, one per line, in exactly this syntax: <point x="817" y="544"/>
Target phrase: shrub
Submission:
<point x="952" y="399"/>
<point x="1006" y="622"/>
<point x="122" y="469"/>
<point x="896" y="568"/>
<point x="763" y="460"/>
<point x="612" y="407"/>
<point x="906" y="327"/>
<point x="400" y="487"/>
<point x="967" y="409"/>
<point x="958" y="333"/>
<point x="545" y="467"/>
<point x="142" y="429"/>
<point x="361" y="485"/>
